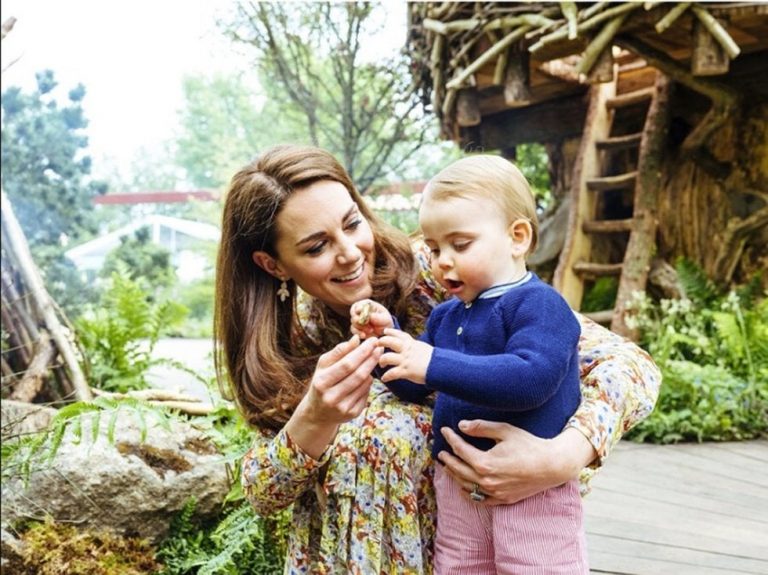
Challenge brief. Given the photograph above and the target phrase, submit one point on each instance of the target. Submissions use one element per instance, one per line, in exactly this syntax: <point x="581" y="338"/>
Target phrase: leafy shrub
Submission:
<point x="712" y="349"/>
<point x="238" y="541"/>
<point x="119" y="335"/>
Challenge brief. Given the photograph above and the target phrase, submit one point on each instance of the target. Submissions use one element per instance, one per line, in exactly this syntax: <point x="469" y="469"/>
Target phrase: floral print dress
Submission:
<point x="367" y="506"/>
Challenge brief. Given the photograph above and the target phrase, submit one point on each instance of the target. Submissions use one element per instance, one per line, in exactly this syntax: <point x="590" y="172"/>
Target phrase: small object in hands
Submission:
<point x="476" y="494"/>
<point x="365" y="314"/>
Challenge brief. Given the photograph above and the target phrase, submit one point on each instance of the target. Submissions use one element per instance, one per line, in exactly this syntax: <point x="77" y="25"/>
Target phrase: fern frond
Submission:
<point x="695" y="283"/>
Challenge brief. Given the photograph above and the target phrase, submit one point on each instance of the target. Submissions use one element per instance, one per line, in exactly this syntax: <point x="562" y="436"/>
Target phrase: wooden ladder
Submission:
<point x="612" y="223"/>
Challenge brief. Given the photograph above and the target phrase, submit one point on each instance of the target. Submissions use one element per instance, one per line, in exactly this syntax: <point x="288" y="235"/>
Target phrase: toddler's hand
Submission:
<point x="408" y="358"/>
<point x="369" y="318"/>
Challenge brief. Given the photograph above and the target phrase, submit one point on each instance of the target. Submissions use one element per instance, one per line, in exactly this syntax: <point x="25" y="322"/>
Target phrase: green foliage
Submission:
<point x="240" y="542"/>
<point x="713" y="353"/>
<point x="144" y="261"/>
<point x="601" y="295"/>
<point x="533" y="161"/>
<point x="23" y="454"/>
<point x="47" y="178"/>
<point x="120" y="334"/>
<point x="362" y="110"/>
<point x="237" y="541"/>
<point x="222" y="128"/>
<point x="45" y="173"/>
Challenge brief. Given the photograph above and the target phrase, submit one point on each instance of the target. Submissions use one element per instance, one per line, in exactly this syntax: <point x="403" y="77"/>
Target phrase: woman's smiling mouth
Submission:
<point x="351" y="276"/>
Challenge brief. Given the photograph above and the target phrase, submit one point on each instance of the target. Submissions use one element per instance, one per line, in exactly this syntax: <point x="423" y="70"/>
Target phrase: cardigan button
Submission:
<point x="458" y="331"/>
<point x="468" y="305"/>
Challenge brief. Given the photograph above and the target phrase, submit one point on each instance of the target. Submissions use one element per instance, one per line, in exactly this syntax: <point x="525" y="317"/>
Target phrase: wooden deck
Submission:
<point x="697" y="509"/>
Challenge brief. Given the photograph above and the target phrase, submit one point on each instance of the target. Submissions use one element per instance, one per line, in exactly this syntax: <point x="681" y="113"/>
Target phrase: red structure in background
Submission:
<point x="157" y="197"/>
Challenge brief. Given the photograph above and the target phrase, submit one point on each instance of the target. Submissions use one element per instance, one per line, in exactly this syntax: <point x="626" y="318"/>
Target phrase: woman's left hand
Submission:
<point x="519" y="465"/>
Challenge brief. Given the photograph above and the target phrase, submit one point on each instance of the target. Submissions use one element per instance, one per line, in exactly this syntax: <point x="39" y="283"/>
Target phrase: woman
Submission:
<point x="299" y="246"/>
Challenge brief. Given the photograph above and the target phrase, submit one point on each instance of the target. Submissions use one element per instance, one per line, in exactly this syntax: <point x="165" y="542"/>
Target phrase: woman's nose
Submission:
<point x="348" y="251"/>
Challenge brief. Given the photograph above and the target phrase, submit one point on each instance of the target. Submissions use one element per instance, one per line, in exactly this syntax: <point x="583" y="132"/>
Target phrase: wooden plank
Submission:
<point x="617" y="182"/>
<point x="607" y="226"/>
<point x="636" y="557"/>
<point x="631" y="98"/>
<point x="620" y="142"/>
<point x="591" y="269"/>
<point x="670" y="535"/>
<point x="680" y="509"/>
<point x="757" y="450"/>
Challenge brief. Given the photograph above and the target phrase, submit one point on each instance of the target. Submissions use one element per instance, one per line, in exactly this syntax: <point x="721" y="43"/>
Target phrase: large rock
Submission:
<point x="129" y="486"/>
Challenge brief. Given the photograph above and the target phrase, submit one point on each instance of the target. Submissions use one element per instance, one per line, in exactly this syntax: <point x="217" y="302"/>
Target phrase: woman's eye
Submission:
<point x="316" y="249"/>
<point x="354" y="224"/>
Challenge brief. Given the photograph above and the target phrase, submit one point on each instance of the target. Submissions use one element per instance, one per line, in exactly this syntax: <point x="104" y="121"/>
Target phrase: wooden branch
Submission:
<point x="716" y="29"/>
<point x="34" y="281"/>
<point x="708" y="58"/>
<point x="570" y="12"/>
<point x="601" y="42"/>
<point x="32" y="381"/>
<point x="671" y="16"/>
<point x="733" y="240"/>
<point x="562" y="33"/>
<point x="487" y="56"/>
<point x="162" y="398"/>
<point x="7" y="26"/>
<point x="718" y="92"/>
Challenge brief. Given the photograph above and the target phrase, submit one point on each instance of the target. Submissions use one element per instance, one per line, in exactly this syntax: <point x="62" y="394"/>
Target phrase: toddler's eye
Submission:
<point x="461" y="246"/>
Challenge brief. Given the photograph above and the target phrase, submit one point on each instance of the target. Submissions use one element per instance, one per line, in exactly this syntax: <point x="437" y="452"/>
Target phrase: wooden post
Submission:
<point x="517" y="79"/>
<point x="603" y="69"/>
<point x="468" y="108"/>
<point x="20" y="250"/>
<point x="709" y="57"/>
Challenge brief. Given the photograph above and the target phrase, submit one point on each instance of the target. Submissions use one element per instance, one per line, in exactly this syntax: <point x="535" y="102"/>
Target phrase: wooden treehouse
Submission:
<point x="654" y="117"/>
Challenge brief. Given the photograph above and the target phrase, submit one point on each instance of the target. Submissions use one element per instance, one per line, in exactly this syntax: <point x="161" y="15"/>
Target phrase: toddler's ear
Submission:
<point x="521" y="234"/>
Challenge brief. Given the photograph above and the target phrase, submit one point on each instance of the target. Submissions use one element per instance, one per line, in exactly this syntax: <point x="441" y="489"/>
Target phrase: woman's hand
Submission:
<point x="337" y="393"/>
<point x="519" y="465"/>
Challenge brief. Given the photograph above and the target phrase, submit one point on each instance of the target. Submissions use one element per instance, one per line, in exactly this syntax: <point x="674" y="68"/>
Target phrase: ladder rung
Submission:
<point x="612" y="182"/>
<point x="630" y="98"/>
<point x="620" y="142"/>
<point x="593" y="269"/>
<point x="603" y="317"/>
<point x="607" y="226"/>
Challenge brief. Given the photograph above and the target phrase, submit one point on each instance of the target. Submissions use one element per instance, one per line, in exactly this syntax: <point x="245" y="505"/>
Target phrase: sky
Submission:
<point x="130" y="55"/>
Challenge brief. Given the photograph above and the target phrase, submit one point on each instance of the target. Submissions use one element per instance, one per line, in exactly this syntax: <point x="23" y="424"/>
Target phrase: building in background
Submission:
<point x="182" y="238"/>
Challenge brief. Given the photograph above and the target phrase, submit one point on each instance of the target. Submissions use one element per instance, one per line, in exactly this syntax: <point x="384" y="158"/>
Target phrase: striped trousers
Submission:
<point x="540" y="535"/>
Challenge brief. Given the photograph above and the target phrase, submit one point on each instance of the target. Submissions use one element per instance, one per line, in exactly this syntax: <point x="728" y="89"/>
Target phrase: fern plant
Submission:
<point x="22" y="455"/>
<point x="712" y="348"/>
<point x="119" y="336"/>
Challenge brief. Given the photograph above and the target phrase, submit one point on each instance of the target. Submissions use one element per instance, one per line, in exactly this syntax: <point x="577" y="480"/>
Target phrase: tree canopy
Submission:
<point x="46" y="172"/>
<point x="311" y="55"/>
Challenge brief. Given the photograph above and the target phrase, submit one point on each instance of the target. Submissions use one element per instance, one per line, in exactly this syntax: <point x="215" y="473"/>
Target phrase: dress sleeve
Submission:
<point x="276" y="471"/>
<point x="619" y="386"/>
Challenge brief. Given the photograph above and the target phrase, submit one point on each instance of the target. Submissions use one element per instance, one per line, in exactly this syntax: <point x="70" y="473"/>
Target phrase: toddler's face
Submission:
<point x="472" y="246"/>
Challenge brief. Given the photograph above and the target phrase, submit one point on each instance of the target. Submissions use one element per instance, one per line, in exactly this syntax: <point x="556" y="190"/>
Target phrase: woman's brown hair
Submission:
<point x="254" y="332"/>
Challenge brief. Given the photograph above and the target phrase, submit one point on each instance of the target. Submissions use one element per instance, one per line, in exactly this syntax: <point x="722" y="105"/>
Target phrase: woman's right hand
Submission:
<point x="337" y="393"/>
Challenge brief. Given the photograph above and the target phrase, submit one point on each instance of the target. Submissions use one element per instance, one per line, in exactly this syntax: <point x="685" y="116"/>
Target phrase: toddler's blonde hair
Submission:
<point x="490" y="178"/>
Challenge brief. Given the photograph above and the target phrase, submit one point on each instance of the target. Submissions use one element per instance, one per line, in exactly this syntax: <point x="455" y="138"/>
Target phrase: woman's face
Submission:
<point x="325" y="245"/>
